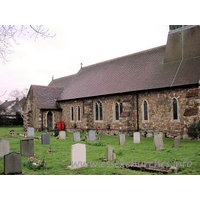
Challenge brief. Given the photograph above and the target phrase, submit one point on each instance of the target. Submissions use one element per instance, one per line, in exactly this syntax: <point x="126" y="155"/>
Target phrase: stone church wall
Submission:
<point x="160" y="112"/>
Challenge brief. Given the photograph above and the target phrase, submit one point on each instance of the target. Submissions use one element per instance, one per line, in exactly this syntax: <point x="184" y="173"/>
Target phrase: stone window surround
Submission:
<point x="142" y="108"/>
<point x="172" y="110"/>
<point x="117" y="101"/>
<point x="98" y="111"/>
<point x="71" y="107"/>
<point x="78" y="107"/>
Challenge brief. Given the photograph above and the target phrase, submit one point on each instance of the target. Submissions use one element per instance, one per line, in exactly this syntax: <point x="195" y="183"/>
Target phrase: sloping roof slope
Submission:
<point x="46" y="96"/>
<point x="139" y="71"/>
<point x="62" y="82"/>
<point x="6" y="104"/>
<point x="136" y="72"/>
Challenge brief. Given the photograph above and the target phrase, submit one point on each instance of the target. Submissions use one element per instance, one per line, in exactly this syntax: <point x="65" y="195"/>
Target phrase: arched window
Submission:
<point x="79" y="113"/>
<point x="118" y="109"/>
<point x="145" y="110"/>
<point x="175" y="109"/>
<point x="49" y="120"/>
<point x="98" y="111"/>
<point x="72" y="114"/>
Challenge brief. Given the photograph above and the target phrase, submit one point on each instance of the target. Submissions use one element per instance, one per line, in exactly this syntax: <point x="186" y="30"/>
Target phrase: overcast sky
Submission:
<point x="35" y="62"/>
<point x="88" y="33"/>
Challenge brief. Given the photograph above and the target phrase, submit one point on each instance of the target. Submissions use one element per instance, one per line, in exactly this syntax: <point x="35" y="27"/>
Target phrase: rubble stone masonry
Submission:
<point x="160" y="112"/>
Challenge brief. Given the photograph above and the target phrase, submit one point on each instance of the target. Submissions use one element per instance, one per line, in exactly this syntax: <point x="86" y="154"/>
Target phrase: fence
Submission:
<point x="11" y="120"/>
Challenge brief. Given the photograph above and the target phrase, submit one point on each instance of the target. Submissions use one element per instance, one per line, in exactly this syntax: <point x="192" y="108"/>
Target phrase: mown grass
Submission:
<point x="57" y="161"/>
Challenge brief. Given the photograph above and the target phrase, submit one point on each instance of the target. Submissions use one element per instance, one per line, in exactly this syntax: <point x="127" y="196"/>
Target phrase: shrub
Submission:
<point x="194" y="130"/>
<point x="34" y="164"/>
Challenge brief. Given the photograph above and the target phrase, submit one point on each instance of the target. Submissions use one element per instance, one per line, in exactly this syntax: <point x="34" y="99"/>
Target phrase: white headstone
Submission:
<point x="137" y="137"/>
<point x="78" y="156"/>
<point x="92" y="135"/>
<point x="76" y="137"/>
<point x="62" y="135"/>
<point x="4" y="147"/>
<point x="158" y="142"/>
<point x="30" y="132"/>
<point x="122" y="139"/>
<point x="109" y="153"/>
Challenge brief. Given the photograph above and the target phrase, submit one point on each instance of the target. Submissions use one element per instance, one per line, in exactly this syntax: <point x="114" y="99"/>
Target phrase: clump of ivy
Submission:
<point x="58" y="105"/>
<point x="194" y="130"/>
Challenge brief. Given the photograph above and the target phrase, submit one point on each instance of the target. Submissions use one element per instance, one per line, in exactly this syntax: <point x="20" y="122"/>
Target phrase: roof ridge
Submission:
<point x="46" y="86"/>
<point x="63" y="77"/>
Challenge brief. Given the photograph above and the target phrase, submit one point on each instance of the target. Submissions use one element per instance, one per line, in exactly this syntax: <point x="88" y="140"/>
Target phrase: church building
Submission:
<point x="153" y="90"/>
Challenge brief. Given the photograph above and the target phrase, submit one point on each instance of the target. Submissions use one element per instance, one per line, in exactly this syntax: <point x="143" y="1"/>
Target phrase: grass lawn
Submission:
<point x="56" y="162"/>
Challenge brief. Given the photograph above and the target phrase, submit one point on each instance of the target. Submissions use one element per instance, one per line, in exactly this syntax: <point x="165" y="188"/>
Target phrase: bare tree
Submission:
<point x="18" y="94"/>
<point x="8" y="34"/>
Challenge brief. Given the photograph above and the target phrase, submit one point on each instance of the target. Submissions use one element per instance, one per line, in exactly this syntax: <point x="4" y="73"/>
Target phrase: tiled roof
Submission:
<point x="174" y="64"/>
<point x="46" y="96"/>
<point x="62" y="82"/>
<point x="138" y="71"/>
<point x="6" y="104"/>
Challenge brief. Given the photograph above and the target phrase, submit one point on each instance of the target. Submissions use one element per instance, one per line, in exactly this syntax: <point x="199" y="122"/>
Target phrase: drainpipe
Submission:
<point x="137" y="104"/>
<point x="42" y="119"/>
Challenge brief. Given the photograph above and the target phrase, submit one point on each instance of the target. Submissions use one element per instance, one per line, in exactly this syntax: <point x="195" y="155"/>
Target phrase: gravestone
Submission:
<point x="4" y="147"/>
<point x="56" y="132"/>
<point x="12" y="163"/>
<point x="176" y="142"/>
<point x="45" y="139"/>
<point x="158" y="142"/>
<point x="78" y="156"/>
<point x="149" y="133"/>
<point x="185" y="134"/>
<point x="62" y="135"/>
<point x="110" y="155"/>
<point x="122" y="139"/>
<point x="76" y="137"/>
<point x="27" y="147"/>
<point x="30" y="132"/>
<point x="92" y="135"/>
<point x="136" y="138"/>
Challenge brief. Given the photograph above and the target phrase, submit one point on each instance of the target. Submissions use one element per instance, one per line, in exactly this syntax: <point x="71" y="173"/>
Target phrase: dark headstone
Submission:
<point x="57" y="132"/>
<point x="45" y="138"/>
<point x="27" y="147"/>
<point x="12" y="163"/>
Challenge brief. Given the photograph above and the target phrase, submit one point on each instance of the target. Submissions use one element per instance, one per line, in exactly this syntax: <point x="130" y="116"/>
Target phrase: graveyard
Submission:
<point x="104" y="156"/>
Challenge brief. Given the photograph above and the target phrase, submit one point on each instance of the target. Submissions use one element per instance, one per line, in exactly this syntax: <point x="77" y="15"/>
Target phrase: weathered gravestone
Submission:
<point x="158" y="142"/>
<point x="30" y="132"/>
<point x="92" y="135"/>
<point x="185" y="134"/>
<point x="45" y="139"/>
<point x="27" y="147"/>
<point x="12" y="163"/>
<point x="78" y="156"/>
<point x="176" y="142"/>
<point x="4" y="147"/>
<point x="149" y="133"/>
<point x="122" y="139"/>
<point x="62" y="135"/>
<point x="136" y="138"/>
<point x="76" y="137"/>
<point x="110" y="155"/>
